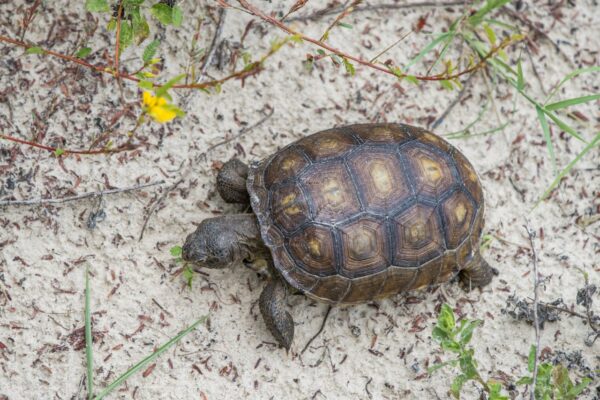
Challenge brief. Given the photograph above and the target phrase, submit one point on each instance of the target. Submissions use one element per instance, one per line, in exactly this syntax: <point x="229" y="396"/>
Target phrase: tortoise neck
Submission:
<point x="246" y="232"/>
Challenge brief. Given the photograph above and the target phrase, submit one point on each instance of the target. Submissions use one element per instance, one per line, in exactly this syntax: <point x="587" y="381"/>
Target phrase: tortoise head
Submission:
<point x="211" y="245"/>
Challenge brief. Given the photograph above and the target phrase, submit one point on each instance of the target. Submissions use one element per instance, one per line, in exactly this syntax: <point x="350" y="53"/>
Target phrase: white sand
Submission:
<point x="378" y="350"/>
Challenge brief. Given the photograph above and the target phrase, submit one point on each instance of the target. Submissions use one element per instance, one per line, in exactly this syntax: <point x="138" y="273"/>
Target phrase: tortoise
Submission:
<point x="348" y="215"/>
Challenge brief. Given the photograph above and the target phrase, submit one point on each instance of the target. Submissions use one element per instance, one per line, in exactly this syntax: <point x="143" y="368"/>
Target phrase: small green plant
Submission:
<point x="552" y="381"/>
<point x="188" y="273"/>
<point x="455" y="338"/>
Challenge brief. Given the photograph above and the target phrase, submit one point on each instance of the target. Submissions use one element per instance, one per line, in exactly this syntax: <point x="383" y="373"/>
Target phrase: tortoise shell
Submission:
<point x="365" y="211"/>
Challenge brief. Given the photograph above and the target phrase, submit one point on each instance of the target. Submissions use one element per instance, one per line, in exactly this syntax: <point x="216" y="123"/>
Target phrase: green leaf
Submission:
<point x="83" y="52"/>
<point x="429" y="47"/>
<point x="349" y="67"/>
<point x="577" y="389"/>
<point x="135" y="368"/>
<point x="457" y="385"/>
<point x="162" y="91"/>
<point x="562" y="381"/>
<point x="177" y="16"/>
<point x="520" y="80"/>
<point x="147" y="85"/>
<point x="446" y="84"/>
<point x="59" y="152"/>
<point x="345" y="25"/>
<point x="439" y="334"/>
<point x="140" y="27"/>
<point x="490" y="5"/>
<point x="562" y="125"/>
<point x="150" y="51"/>
<point x="435" y="367"/>
<point x="468" y="365"/>
<point x="526" y="380"/>
<point x="466" y="333"/>
<point x="547" y="137"/>
<point x="412" y="79"/>
<point x="35" y="50"/>
<point x="489" y="32"/>
<point x="97" y="6"/>
<point x="571" y="102"/>
<point x="446" y="321"/>
<point x="495" y="389"/>
<point x="163" y="13"/>
<point x="531" y="358"/>
<point x="176" y="251"/>
<point x="451" y="345"/>
<point x="125" y="35"/>
<point x="188" y="274"/>
<point x="89" y="342"/>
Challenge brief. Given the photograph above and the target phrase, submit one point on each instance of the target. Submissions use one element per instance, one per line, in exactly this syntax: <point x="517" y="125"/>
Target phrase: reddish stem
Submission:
<point x="65" y="151"/>
<point x="439" y="77"/>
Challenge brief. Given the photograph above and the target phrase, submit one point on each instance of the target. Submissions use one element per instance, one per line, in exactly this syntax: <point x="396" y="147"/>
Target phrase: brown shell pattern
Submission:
<point x="367" y="211"/>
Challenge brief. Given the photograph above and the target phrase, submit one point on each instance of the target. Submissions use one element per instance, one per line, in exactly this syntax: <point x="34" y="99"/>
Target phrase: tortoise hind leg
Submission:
<point x="272" y="307"/>
<point x="231" y="182"/>
<point x="476" y="273"/>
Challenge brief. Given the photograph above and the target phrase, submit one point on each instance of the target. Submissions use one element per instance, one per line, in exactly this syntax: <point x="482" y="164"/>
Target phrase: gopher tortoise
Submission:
<point x="349" y="215"/>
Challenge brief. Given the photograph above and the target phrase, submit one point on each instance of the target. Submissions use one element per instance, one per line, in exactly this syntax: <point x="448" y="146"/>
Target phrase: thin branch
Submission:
<point x="155" y="205"/>
<point x="439" y="77"/>
<point x="67" y="151"/>
<point x="536" y="283"/>
<point x="247" y="71"/>
<point x="213" y="45"/>
<point x="118" y="35"/>
<point x="343" y="14"/>
<point x="35" y="202"/>
<point x="376" y="7"/>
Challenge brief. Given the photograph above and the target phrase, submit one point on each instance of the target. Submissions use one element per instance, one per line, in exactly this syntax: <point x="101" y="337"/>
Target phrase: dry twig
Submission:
<point x="249" y="8"/>
<point x="213" y="44"/>
<point x="35" y="202"/>
<point x="374" y="7"/>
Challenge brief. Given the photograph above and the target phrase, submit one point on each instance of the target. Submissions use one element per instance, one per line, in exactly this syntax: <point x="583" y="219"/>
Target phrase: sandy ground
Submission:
<point x="379" y="350"/>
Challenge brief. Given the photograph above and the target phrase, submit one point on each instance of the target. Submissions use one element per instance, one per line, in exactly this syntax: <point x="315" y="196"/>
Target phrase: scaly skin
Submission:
<point x="230" y="239"/>
<point x="231" y="182"/>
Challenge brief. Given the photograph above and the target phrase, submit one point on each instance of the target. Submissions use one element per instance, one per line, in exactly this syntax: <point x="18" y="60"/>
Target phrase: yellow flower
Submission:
<point x="158" y="108"/>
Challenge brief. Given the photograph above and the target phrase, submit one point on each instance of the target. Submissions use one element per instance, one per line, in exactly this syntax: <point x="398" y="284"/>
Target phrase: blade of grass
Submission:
<point x="562" y="125"/>
<point x="488" y="132"/>
<point x="89" y="350"/>
<point x="520" y="79"/>
<point x="148" y="359"/>
<point x="571" y="76"/>
<point x="546" y="129"/>
<point x="568" y="168"/>
<point x="428" y="48"/>
<point x="490" y="5"/>
<point x="571" y="102"/>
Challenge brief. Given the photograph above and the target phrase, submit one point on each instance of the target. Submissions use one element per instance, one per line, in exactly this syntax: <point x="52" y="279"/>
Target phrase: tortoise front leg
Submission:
<point x="231" y="182"/>
<point x="272" y="307"/>
<point x="477" y="273"/>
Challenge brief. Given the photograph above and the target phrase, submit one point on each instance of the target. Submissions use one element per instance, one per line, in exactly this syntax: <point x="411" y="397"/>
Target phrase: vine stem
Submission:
<point x="247" y="71"/>
<point x="439" y="77"/>
<point x="65" y="151"/>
